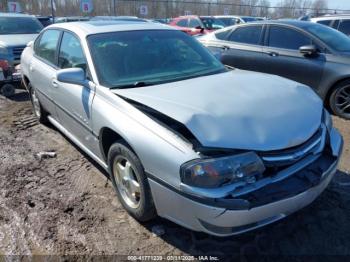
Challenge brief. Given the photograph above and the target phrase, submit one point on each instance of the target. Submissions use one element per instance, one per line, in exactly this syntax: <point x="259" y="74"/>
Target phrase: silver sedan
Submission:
<point x="211" y="148"/>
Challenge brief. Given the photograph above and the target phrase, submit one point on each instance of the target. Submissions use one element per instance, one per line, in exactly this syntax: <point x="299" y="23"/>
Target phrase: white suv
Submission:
<point x="338" y="22"/>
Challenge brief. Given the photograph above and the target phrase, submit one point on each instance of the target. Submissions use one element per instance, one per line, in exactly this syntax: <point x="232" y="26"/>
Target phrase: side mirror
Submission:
<point x="308" y="50"/>
<point x="75" y="76"/>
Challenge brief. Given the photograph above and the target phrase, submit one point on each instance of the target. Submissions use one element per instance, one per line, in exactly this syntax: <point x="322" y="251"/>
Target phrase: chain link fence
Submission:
<point x="167" y="8"/>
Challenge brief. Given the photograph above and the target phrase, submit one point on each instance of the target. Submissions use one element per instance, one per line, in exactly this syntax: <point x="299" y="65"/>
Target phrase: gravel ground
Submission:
<point x="66" y="205"/>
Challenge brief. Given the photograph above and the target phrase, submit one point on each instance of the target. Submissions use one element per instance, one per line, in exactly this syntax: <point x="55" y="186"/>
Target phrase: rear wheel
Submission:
<point x="340" y="100"/>
<point x="39" y="112"/>
<point x="7" y="90"/>
<point x="130" y="182"/>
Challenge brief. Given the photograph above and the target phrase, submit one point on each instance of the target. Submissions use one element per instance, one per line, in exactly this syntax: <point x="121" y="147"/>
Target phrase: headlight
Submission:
<point x="3" y="50"/>
<point x="327" y="120"/>
<point x="216" y="172"/>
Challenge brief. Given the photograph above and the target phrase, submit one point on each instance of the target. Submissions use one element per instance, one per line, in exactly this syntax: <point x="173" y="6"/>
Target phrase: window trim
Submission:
<point x="261" y="38"/>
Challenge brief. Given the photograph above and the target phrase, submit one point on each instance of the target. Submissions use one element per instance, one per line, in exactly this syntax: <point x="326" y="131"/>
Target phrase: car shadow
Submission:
<point x="318" y="224"/>
<point x="20" y="96"/>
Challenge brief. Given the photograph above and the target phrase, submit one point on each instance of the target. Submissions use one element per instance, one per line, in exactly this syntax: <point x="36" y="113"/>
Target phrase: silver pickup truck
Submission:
<point x="16" y="30"/>
<point x="211" y="148"/>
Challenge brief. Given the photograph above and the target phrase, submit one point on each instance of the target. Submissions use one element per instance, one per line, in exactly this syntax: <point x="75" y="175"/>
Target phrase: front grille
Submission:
<point x="292" y="155"/>
<point x="17" y="52"/>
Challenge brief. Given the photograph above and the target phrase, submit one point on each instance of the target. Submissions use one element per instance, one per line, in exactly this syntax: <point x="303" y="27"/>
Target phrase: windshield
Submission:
<point x="146" y="57"/>
<point x="331" y="37"/>
<point x="212" y="23"/>
<point x="19" y="25"/>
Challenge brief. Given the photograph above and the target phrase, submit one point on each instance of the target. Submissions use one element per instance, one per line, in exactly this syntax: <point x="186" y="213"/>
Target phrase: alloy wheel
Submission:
<point x="126" y="180"/>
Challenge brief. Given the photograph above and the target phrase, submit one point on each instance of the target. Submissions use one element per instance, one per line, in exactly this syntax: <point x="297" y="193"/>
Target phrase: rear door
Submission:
<point x="74" y="101"/>
<point x="243" y="48"/>
<point x="43" y="67"/>
<point x="283" y="58"/>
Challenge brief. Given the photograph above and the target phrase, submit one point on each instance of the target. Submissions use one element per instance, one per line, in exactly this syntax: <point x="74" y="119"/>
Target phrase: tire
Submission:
<point x="38" y="110"/>
<point x="126" y="172"/>
<point x="7" y="90"/>
<point x="339" y="100"/>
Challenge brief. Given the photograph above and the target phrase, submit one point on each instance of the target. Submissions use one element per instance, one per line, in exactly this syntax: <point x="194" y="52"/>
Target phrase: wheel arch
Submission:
<point x="332" y="88"/>
<point x="107" y="137"/>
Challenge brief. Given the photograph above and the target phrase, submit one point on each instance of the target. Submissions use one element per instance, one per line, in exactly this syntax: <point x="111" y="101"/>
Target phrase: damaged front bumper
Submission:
<point x="223" y="213"/>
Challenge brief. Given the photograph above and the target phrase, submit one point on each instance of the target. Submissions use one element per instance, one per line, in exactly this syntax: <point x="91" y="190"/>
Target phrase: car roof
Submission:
<point x="96" y="27"/>
<point x="14" y="15"/>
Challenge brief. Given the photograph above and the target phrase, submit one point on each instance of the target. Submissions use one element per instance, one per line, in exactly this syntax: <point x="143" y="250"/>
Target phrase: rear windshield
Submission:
<point x="19" y="25"/>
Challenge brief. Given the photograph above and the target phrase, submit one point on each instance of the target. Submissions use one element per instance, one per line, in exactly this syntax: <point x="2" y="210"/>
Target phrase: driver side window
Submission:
<point x="71" y="53"/>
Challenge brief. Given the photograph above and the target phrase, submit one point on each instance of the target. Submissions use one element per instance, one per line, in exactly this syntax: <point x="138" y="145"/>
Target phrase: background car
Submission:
<point x="230" y="20"/>
<point x="338" y="22"/>
<point x="67" y="19"/>
<point x="309" y="53"/>
<point x="194" y="25"/>
<point x="118" y="18"/>
<point x="16" y="30"/>
<point x="45" y="20"/>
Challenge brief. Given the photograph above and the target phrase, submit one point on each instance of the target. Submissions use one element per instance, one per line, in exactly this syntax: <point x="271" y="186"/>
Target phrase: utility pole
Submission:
<point x="53" y="10"/>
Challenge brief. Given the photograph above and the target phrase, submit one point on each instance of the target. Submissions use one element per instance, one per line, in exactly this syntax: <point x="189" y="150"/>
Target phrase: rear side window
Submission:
<point x="286" y="38"/>
<point x="71" y="53"/>
<point x="247" y="35"/>
<point x="345" y="27"/>
<point x="182" y="23"/>
<point x="47" y="46"/>
<point x="325" y="22"/>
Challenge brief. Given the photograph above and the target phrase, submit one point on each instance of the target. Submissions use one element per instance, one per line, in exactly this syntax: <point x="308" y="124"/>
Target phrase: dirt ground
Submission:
<point x="66" y="205"/>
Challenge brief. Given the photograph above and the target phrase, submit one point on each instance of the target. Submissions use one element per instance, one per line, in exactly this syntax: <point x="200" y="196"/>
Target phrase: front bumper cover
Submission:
<point x="223" y="221"/>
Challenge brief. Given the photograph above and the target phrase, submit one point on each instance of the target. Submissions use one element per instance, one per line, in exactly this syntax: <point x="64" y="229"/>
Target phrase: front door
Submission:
<point x="74" y="101"/>
<point x="284" y="59"/>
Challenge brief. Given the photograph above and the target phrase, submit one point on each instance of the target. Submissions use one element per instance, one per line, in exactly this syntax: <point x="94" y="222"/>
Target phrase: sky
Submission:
<point x="339" y="4"/>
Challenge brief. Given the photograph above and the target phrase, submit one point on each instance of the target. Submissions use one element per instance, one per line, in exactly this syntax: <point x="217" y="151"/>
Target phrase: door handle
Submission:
<point x="54" y="83"/>
<point x="273" y="54"/>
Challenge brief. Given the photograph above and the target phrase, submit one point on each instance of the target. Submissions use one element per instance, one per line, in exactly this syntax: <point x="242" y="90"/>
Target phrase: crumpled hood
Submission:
<point x="238" y="109"/>
<point x="16" y="40"/>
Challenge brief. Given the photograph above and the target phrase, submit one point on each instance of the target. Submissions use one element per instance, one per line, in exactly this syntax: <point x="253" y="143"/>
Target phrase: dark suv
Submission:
<point x="309" y="53"/>
<point x="16" y="30"/>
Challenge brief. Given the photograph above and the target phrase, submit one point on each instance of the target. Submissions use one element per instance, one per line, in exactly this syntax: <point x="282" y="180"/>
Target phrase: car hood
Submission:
<point x="16" y="40"/>
<point x="237" y="109"/>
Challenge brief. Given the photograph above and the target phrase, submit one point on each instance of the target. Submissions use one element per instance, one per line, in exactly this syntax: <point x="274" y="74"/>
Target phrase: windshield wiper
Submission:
<point x="133" y="85"/>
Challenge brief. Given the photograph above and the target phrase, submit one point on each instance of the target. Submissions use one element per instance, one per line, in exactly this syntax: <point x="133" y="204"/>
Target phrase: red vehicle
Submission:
<point x="195" y="25"/>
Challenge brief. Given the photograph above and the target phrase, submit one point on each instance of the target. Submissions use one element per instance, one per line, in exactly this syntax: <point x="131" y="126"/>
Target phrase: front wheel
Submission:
<point x="340" y="100"/>
<point x="130" y="182"/>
